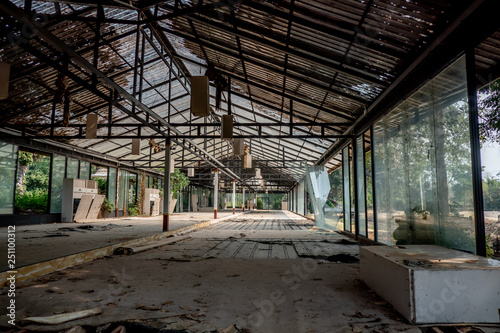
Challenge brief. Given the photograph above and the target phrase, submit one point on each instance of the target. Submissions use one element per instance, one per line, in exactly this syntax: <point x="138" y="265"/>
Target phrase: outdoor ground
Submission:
<point x="260" y="272"/>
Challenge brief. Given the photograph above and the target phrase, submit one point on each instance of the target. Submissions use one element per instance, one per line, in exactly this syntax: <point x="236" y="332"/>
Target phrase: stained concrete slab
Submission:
<point x="42" y="242"/>
<point x="177" y="286"/>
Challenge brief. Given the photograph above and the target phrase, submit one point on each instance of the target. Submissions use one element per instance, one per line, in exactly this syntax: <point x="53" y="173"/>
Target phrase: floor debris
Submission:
<point x="65" y="317"/>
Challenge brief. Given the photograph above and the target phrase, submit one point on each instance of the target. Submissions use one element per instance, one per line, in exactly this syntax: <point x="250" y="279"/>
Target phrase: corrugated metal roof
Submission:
<point x="332" y="58"/>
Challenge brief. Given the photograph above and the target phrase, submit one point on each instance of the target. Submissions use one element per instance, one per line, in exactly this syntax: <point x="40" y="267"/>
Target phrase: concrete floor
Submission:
<point x="262" y="271"/>
<point x="37" y="243"/>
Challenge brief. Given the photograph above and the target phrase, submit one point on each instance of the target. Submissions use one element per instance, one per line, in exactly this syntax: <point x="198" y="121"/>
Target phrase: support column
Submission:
<point x="166" y="186"/>
<point x="243" y="199"/>
<point x="477" y="182"/>
<point x="216" y="191"/>
<point x="234" y="196"/>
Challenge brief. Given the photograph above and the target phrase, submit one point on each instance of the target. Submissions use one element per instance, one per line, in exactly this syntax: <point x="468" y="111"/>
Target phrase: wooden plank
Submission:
<point x="95" y="207"/>
<point x="302" y="249"/>
<point x="83" y="207"/>
<point x="246" y="251"/>
<point x="263" y="251"/>
<point x="278" y="251"/>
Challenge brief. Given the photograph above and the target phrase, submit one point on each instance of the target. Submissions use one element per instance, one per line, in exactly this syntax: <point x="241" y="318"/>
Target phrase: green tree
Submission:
<point x="24" y="160"/>
<point x="178" y="181"/>
<point x="489" y="112"/>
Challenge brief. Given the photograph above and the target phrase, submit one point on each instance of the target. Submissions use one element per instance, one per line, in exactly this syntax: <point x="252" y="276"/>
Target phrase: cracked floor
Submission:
<point x="262" y="272"/>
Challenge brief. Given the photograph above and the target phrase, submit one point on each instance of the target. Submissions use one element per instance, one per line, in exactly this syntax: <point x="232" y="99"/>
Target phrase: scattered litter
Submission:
<point x="123" y="251"/>
<point x="231" y="329"/>
<point x="86" y="227"/>
<point x="70" y="229"/>
<point x="54" y="235"/>
<point x="120" y="329"/>
<point x="143" y="306"/>
<point x="233" y="275"/>
<point x="62" y="318"/>
<point x="76" y="329"/>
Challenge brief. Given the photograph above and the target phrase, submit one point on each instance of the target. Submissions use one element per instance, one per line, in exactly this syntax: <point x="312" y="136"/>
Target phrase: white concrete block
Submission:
<point x="432" y="284"/>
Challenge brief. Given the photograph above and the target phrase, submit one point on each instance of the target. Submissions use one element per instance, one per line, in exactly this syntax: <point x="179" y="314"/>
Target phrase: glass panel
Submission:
<point x="72" y="168"/>
<point x="8" y="161"/>
<point x="122" y="190"/>
<point x="347" y="188"/>
<point x="318" y="188"/>
<point x="369" y="190"/>
<point x="360" y="174"/>
<point x="132" y="188"/>
<point x="335" y="209"/>
<point x="112" y="185"/>
<point x="300" y="201"/>
<point x="57" y="174"/>
<point x="422" y="161"/>
<point x="32" y="189"/>
<point x="84" y="170"/>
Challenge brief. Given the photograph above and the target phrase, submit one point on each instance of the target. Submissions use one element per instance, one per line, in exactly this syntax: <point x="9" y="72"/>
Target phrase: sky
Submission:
<point x="490" y="159"/>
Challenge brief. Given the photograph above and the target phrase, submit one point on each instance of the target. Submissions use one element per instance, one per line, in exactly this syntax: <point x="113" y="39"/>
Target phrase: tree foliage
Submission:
<point x="178" y="181"/>
<point x="489" y="112"/>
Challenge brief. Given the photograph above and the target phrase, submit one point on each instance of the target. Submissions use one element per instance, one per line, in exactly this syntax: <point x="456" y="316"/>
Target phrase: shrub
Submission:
<point x="260" y="203"/>
<point x="107" y="207"/>
<point x="133" y="209"/>
<point x="32" y="201"/>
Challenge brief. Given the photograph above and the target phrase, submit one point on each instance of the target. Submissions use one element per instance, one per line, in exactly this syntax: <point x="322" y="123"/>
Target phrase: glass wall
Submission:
<point x="422" y="164"/>
<point x="112" y="185"/>
<point x="300" y="199"/>
<point x="57" y="177"/>
<point x="127" y="190"/>
<point x="369" y="189"/>
<point x="72" y="168"/>
<point x="335" y="203"/>
<point x="8" y="162"/>
<point x="84" y="170"/>
<point x="360" y="174"/>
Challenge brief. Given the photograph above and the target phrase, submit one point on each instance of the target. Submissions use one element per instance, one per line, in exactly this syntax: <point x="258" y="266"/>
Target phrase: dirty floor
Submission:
<point x="37" y="243"/>
<point x="259" y="272"/>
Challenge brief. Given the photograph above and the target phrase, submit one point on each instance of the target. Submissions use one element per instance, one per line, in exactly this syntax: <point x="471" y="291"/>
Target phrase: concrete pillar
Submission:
<point x="234" y="196"/>
<point x="216" y="191"/>
<point x="166" y="187"/>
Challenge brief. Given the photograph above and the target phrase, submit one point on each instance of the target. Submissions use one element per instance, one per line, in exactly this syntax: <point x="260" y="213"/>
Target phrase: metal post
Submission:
<point x="234" y="196"/>
<point x="216" y="191"/>
<point x="355" y="187"/>
<point x="374" y="192"/>
<point x="243" y="199"/>
<point x="166" y="187"/>
<point x="477" y="185"/>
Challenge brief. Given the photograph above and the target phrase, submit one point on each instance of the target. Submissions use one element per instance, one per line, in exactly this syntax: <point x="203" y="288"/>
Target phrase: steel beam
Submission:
<point x="12" y="10"/>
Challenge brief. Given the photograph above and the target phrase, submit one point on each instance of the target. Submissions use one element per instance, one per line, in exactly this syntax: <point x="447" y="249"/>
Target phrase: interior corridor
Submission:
<point x="262" y="271"/>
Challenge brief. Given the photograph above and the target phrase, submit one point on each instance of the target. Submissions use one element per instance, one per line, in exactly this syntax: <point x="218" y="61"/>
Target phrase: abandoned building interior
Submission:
<point x="246" y="166"/>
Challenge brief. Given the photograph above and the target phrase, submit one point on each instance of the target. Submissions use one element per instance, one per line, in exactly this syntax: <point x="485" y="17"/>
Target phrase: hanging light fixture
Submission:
<point x="4" y="80"/>
<point x="238" y="147"/>
<point x="227" y="127"/>
<point x="91" y="128"/>
<point x="136" y="146"/>
<point x="200" y="96"/>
